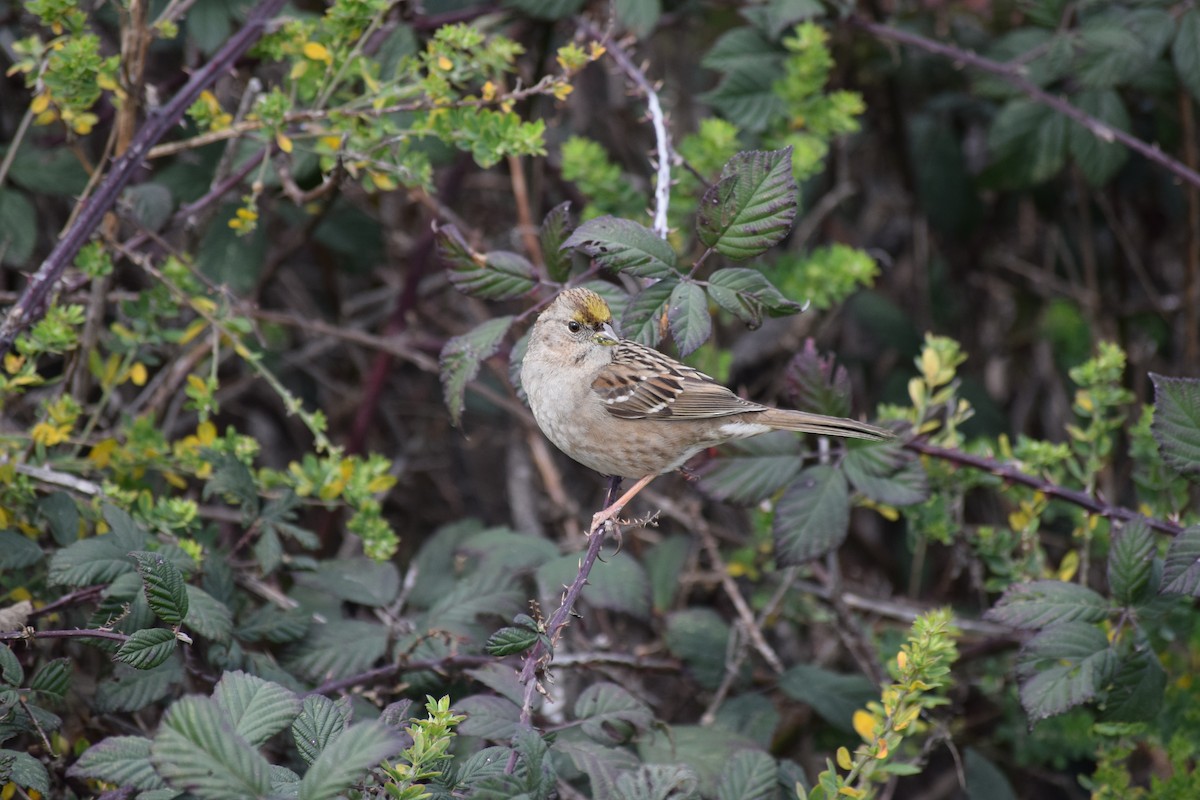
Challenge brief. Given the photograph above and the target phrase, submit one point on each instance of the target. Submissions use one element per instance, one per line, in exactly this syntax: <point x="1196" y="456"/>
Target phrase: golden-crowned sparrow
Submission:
<point x="627" y="410"/>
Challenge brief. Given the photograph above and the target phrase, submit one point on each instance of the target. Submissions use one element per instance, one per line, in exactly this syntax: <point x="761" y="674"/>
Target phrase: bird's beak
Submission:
<point x="606" y="335"/>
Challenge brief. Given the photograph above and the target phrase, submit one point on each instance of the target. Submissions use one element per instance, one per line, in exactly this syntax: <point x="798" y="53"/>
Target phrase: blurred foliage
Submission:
<point x="242" y="534"/>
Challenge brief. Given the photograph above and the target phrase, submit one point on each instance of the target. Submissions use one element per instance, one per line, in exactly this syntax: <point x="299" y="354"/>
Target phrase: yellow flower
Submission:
<point x="445" y="64"/>
<point x="49" y="435"/>
<point x="317" y="52"/>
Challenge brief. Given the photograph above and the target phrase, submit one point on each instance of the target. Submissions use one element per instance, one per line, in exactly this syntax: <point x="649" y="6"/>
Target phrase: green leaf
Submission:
<point x="11" y="672"/>
<point x="257" y="708"/>
<point x="1137" y="688"/>
<point x="18" y="228"/>
<point x="120" y="760"/>
<point x="1109" y="55"/>
<point x="749" y="775"/>
<point x="748" y="295"/>
<point x="461" y="357"/>
<point x="746" y="94"/>
<point x="489" y="717"/>
<point x="657" y="782"/>
<point x="53" y="678"/>
<point x="622" y="585"/>
<point x="602" y="765"/>
<point x="611" y="715"/>
<point x="886" y="473"/>
<point x="700" y="638"/>
<point x="664" y="561"/>
<point x="1185" y="52"/>
<point x="831" y="694"/>
<point x="985" y="781"/>
<point x="232" y="480"/>
<point x="1099" y="158"/>
<point x="1064" y="666"/>
<point x="639" y="16"/>
<point x="753" y="205"/>
<point x="48" y="171"/>
<point x="1181" y="570"/>
<point x="208" y="616"/>
<point x="339" y="648"/>
<point x="18" y="551"/>
<point x="687" y="314"/>
<point x="642" y="320"/>
<point x="776" y="16"/>
<point x="1029" y="141"/>
<point x="165" y="590"/>
<point x="498" y="275"/>
<point x="132" y="689"/>
<point x="100" y="559"/>
<point x="556" y="227"/>
<point x="198" y="749"/>
<point x="704" y="753"/>
<point x="506" y="552"/>
<point x="272" y="624"/>
<point x="743" y="48"/>
<point x="355" y="580"/>
<point x="62" y="514"/>
<point x="623" y="245"/>
<point x="813" y="516"/>
<point x="1130" y="562"/>
<point x="26" y="771"/>
<point x="320" y="721"/>
<point x="1039" y="604"/>
<point x="345" y="760"/>
<point x="749" y="471"/>
<point x="547" y="9"/>
<point x="509" y="641"/>
<point x="1176" y="424"/>
<point x="147" y="648"/>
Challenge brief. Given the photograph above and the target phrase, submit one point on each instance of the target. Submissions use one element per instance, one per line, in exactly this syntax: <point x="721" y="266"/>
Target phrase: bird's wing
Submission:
<point x="642" y="383"/>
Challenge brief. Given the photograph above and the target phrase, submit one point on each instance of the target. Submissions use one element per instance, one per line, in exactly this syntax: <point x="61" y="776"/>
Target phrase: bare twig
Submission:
<point x="95" y="633"/>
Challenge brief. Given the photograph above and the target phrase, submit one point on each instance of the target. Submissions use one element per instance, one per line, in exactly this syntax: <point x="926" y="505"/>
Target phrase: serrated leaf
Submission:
<point x="489" y="717"/>
<point x="833" y="695"/>
<point x="232" y="480"/>
<point x="346" y="759"/>
<point x="643" y="318"/>
<point x="1181" y="570"/>
<point x="623" y="245"/>
<point x="749" y="471"/>
<point x="165" y="589"/>
<point x="1176" y="424"/>
<point x="746" y="94"/>
<point x="688" y="317"/>
<point x="1029" y="141"/>
<point x="339" y="648"/>
<point x="703" y="752"/>
<point x="257" y="708"/>
<point x="18" y="228"/>
<point x="748" y="295"/>
<point x="1108" y="55"/>
<point x="208" y="616"/>
<point x="277" y="625"/>
<point x="555" y="229"/>
<point x="603" y="765"/>
<point x="356" y="580"/>
<point x="198" y="749"/>
<point x="510" y="641"/>
<point x="610" y="714"/>
<point x="100" y="559"/>
<point x="62" y="514"/>
<point x="1130" y="562"/>
<point x="1099" y="158"/>
<point x="147" y="648"/>
<point x="749" y="775"/>
<point x="53" y="678"/>
<point x="18" y="551"/>
<point x="120" y="760"/>
<point x="817" y="383"/>
<point x="638" y="16"/>
<point x="886" y="473"/>
<point x="319" y="722"/>
<point x="1040" y="604"/>
<point x="813" y="516"/>
<point x="1185" y="52"/>
<point x="132" y="689"/>
<point x="753" y="205"/>
<point x="700" y="638"/>
<point x="11" y="671"/>
<point x="461" y="357"/>
<point x="1062" y="667"/>
<point x="657" y="782"/>
<point x="25" y="770"/>
<point x="621" y="586"/>
<point x="498" y="275"/>
<point x="1136" y="694"/>
<point x="745" y="48"/>
<point x="547" y="9"/>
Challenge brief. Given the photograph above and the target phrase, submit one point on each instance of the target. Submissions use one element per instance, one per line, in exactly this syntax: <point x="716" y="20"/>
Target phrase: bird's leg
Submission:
<point x="614" y="508"/>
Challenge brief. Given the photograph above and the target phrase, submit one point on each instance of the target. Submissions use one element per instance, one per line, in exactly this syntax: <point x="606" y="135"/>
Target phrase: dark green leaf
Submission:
<point x="49" y="171"/>
<point x="664" y="562"/>
<point x="11" y="672"/>
<point x="462" y="356"/>
<point x="257" y="708"/>
<point x="1176" y="423"/>
<point x="1062" y="667"/>
<point x="272" y="624"/>
<point x="755" y="716"/>
<point x="1181" y="571"/>
<point x="749" y="775"/>
<point x="813" y="516"/>
<point x="657" y="782"/>
<point x="643" y="318"/>
<point x="18" y="229"/>
<point x="1029" y="141"/>
<point x="639" y="16"/>
<point x="62" y="514"/>
<point x="356" y="580"/>
<point x="1185" y="52"/>
<point x="777" y="16"/>
<point x="133" y="689"/>
<point x="623" y="245"/>
<point x="339" y="648"/>
<point x="818" y="383"/>
<point x="18" y="551"/>
<point x="53" y="678"/>
<point x="556" y="227"/>
<point x="610" y="714"/>
<point x="147" y="648"/>
<point x="232" y="481"/>
<point x="748" y="295"/>
<point x="1098" y="156"/>
<point x="1039" y="604"/>
<point x="165" y="590"/>
<point x="504" y="551"/>
<point x="129" y="534"/>
<point x="602" y="765"/>
<point x="547" y="9"/>
<point x="985" y="781"/>
<point x="320" y="721"/>
<point x="99" y="559"/>
<point x="831" y="694"/>
<point x="743" y="48"/>
<point x="498" y="275"/>
<point x="704" y="752"/>
<point x="510" y="641"/>
<point x="700" y="638"/>
<point x="751" y="470"/>
<point x="886" y="473"/>
<point x="1137" y="688"/>
<point x="345" y="760"/>
<point x="198" y="749"/>
<point x="1109" y="55"/>
<point x="1130" y="561"/>
<point x="26" y="771"/>
<point x="621" y="585"/>
<point x="120" y="760"/>
<point x="746" y="94"/>
<point x="489" y="717"/>
<point x="753" y="205"/>
<point x="687" y="314"/>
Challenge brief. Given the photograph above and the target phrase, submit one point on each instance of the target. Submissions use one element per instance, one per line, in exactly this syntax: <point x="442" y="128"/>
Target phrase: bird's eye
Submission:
<point x="574" y="326"/>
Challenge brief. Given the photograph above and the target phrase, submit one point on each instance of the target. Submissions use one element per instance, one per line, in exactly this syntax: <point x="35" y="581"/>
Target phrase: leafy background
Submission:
<point x="275" y="521"/>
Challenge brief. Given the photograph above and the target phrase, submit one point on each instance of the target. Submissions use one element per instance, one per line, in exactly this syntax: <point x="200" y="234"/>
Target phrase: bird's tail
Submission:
<point x="805" y="422"/>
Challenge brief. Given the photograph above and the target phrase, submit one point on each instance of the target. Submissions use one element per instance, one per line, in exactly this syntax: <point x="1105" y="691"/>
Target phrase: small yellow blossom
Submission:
<point x="445" y="64"/>
<point x="49" y="435"/>
<point x="317" y="52"/>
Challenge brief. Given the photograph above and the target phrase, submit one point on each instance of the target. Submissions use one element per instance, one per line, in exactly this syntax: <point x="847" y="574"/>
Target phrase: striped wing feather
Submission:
<point x="644" y="384"/>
